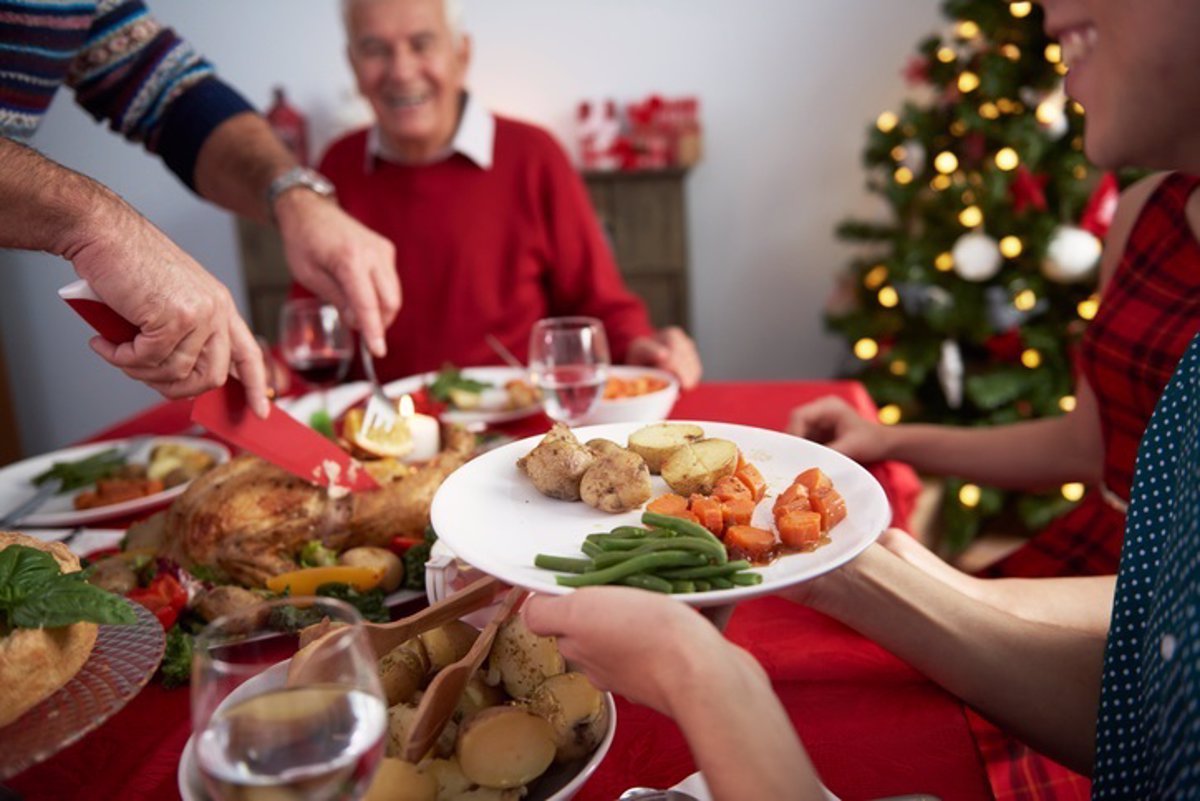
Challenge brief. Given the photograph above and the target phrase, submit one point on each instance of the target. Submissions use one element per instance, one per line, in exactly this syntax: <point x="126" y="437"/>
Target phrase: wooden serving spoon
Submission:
<point x="441" y="697"/>
<point x="383" y="637"/>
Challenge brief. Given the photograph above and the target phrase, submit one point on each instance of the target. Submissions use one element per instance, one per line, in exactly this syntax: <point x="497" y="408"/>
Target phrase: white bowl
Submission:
<point x="651" y="407"/>
<point x="560" y="782"/>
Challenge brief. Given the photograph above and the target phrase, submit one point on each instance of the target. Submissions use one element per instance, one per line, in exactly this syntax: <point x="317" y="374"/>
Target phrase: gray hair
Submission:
<point x="452" y="8"/>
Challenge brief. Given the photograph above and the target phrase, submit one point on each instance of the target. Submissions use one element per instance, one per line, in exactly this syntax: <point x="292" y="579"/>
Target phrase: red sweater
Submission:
<point x="485" y="251"/>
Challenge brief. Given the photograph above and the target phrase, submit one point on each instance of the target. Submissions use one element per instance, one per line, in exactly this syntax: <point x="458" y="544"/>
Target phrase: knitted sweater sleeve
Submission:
<point x="150" y="85"/>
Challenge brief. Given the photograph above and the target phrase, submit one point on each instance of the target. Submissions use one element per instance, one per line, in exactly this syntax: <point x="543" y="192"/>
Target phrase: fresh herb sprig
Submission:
<point x="83" y="472"/>
<point x="450" y="377"/>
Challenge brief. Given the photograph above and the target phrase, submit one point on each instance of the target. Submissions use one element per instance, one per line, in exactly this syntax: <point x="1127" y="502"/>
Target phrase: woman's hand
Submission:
<point x="833" y="422"/>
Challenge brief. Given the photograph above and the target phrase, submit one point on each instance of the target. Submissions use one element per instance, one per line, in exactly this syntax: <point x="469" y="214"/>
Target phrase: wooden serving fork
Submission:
<point x="383" y="637"/>
<point x="441" y="697"/>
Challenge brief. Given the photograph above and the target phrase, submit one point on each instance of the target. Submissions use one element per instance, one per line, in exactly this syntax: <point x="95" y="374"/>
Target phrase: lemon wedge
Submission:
<point x="396" y="443"/>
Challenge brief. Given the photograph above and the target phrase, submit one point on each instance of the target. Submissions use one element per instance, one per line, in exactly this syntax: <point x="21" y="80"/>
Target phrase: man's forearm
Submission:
<point x="45" y="206"/>
<point x="237" y="163"/>
<point x="1040" y="682"/>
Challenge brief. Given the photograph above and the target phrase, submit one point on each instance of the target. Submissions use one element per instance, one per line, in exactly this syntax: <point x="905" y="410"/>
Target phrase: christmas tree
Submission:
<point x="965" y="306"/>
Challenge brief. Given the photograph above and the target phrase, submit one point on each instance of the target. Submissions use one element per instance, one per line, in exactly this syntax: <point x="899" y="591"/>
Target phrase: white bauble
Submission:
<point x="1072" y="255"/>
<point x="914" y="156"/>
<point x="976" y="257"/>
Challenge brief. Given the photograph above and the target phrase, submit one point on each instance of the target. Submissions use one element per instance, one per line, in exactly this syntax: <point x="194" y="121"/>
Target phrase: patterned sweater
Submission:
<point x="124" y="67"/>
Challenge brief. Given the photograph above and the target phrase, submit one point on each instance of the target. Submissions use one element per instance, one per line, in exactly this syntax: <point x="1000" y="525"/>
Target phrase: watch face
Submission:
<point x="299" y="177"/>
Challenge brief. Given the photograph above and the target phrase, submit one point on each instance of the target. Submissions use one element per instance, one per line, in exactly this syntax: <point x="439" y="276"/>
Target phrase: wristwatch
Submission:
<point x="298" y="177"/>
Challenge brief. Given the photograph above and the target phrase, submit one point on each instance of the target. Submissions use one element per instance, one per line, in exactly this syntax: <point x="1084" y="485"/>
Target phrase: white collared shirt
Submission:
<point x="475" y="138"/>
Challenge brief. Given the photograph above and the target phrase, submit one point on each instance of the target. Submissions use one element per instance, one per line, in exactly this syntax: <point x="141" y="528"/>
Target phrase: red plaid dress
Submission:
<point x="1149" y="313"/>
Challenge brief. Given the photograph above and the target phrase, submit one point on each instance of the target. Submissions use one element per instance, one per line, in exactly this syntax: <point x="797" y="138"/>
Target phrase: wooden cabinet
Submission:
<point x="645" y="215"/>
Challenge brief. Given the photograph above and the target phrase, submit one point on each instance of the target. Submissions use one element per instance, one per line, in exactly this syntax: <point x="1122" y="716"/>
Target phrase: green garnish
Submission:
<point x="82" y="472"/>
<point x="315" y="554"/>
<point x="450" y="377"/>
<point x="35" y="593"/>
<point x="322" y="423"/>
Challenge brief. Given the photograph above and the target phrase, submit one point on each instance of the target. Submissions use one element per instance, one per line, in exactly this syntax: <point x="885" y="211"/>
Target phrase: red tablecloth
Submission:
<point x="873" y="725"/>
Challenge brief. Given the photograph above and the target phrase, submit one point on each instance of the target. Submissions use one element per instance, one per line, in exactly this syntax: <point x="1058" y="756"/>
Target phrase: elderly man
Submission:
<point x="492" y="227"/>
<point x="150" y="85"/>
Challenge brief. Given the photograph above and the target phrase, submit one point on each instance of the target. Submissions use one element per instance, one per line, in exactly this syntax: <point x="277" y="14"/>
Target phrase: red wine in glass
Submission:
<point x="322" y="368"/>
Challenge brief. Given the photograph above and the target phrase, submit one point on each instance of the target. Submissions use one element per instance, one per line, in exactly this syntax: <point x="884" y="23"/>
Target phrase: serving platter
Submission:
<point x="492" y="517"/>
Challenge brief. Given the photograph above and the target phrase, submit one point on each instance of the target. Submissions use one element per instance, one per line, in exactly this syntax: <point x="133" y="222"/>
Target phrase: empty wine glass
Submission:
<point x="568" y="360"/>
<point x="317" y="737"/>
<point x="315" y="342"/>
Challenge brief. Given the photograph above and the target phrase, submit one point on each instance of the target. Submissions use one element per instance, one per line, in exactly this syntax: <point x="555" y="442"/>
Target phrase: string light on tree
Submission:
<point x="889" y="415"/>
<point x="1031" y="358"/>
<point x="944" y="262"/>
<point x="1067" y="403"/>
<point x="1054" y="53"/>
<point x="946" y="55"/>
<point x="989" y="111"/>
<point x="866" y="349"/>
<point x="940" y="182"/>
<point x="1073" y="491"/>
<point x="1007" y="159"/>
<point x="1088" y="307"/>
<point x="1025" y="300"/>
<point x="1011" y="247"/>
<point x="1011" y="52"/>
<point x="968" y="82"/>
<point x="946" y="162"/>
<point x="876" y="278"/>
<point x="969" y="495"/>
<point x="886" y="122"/>
<point x="898" y="367"/>
<point x="971" y="217"/>
<point x="903" y="175"/>
<point x="888" y="297"/>
<point x="1020" y="9"/>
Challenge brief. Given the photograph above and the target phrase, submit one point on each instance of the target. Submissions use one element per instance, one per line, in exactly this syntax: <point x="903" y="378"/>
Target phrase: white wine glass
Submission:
<point x="315" y="342"/>
<point x="257" y="733"/>
<point x="568" y="361"/>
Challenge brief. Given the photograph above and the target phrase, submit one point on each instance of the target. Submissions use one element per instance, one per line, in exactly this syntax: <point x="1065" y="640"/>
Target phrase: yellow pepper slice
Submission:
<point x="306" y="580"/>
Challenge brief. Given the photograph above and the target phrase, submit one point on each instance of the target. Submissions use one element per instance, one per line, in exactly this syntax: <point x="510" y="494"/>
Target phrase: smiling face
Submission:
<point x="1133" y="66"/>
<point x="411" y="66"/>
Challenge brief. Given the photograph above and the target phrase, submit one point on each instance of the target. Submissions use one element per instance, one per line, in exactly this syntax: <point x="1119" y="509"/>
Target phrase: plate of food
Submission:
<point x="106" y="480"/>
<point x="58" y="682"/>
<point x="756" y="510"/>
<point x="538" y="734"/>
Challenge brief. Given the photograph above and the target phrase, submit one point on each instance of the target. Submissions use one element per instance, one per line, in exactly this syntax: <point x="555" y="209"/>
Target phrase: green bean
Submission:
<point x="591" y="549"/>
<point x="677" y="524"/>
<point x="630" y="531"/>
<point x="746" y="579"/>
<point x="702" y="585"/>
<point x="646" y="581"/>
<point x="606" y="542"/>
<point x="563" y="564"/>
<point x="721" y="583"/>
<point x="714" y="552"/>
<point x="682" y="586"/>
<point x="708" y="571"/>
<point x="638" y="564"/>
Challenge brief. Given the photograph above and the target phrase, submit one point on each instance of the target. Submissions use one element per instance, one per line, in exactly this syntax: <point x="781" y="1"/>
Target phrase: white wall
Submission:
<point x="787" y="89"/>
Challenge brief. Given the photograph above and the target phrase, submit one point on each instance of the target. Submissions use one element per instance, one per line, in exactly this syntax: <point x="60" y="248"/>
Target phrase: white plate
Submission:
<point x="346" y="396"/>
<point x="560" y="781"/>
<point x="16" y="483"/>
<point x="491" y="516"/>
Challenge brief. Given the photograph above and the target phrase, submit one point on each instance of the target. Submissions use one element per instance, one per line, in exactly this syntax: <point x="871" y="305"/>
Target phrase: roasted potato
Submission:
<point x="477" y="696"/>
<point x="400" y="719"/>
<point x="505" y="746"/>
<point x="557" y="464"/>
<point x="447" y="644"/>
<point x="617" y="481"/>
<point x="225" y="599"/>
<point x="380" y="559"/>
<point x="698" y="466"/>
<point x="522" y="660"/>
<point x="397" y="780"/>
<point x="655" y="443"/>
<point x="454" y="786"/>
<point x="402" y="671"/>
<point x="575" y="709"/>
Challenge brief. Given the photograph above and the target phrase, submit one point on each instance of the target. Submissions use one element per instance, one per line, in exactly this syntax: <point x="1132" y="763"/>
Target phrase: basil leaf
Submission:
<point x="65" y="600"/>
<point x="23" y="570"/>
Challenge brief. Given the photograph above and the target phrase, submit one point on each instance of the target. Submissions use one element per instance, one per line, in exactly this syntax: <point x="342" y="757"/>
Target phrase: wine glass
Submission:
<point x="568" y="361"/>
<point x="315" y="342"/>
<point x="318" y="736"/>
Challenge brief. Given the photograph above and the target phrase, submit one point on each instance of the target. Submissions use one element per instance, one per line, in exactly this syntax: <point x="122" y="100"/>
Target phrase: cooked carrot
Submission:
<point x="814" y="481"/>
<point x="668" y="504"/>
<point x="832" y="508"/>
<point x="708" y="512"/>
<point x="795" y="495"/>
<point x="738" y="511"/>
<point x="748" y="474"/>
<point x="730" y="488"/>
<point x="754" y="543"/>
<point x="799" y="529"/>
<point x="741" y="462"/>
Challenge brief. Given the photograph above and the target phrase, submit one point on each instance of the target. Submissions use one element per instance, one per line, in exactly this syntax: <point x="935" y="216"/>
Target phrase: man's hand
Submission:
<point x="672" y="350"/>
<point x="341" y="261"/>
<point x="191" y="335"/>
<point x="833" y="422"/>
